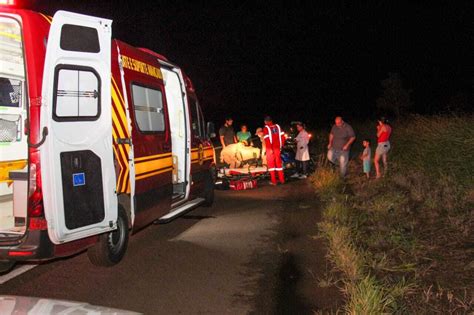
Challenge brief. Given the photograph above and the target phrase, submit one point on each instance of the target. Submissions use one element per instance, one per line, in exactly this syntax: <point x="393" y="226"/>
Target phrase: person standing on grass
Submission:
<point x="341" y="138"/>
<point x="384" y="132"/>
<point x="302" y="151"/>
<point x="226" y="133"/>
<point x="366" y="157"/>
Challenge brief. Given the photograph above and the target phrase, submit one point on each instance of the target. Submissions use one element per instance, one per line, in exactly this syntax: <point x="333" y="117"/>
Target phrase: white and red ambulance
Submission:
<point x="98" y="139"/>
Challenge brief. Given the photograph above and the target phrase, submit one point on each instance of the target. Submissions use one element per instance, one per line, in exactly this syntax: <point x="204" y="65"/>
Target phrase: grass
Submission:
<point x="405" y="244"/>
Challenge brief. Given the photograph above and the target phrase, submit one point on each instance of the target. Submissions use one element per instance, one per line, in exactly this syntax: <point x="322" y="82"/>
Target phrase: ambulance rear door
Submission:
<point x="77" y="166"/>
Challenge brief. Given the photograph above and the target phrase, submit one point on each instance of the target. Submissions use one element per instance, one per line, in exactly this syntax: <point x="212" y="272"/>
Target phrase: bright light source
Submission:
<point x="310" y="135"/>
<point x="7" y="2"/>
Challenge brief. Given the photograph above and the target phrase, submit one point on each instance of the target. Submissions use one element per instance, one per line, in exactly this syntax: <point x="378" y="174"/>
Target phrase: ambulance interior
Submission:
<point x="178" y="129"/>
<point x="13" y="141"/>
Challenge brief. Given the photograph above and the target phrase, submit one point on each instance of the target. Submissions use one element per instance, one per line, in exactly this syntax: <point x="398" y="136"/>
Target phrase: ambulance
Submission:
<point x="98" y="139"/>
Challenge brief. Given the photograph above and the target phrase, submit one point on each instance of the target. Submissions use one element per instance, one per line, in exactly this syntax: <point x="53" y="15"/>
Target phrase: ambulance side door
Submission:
<point x="77" y="165"/>
<point x="202" y="152"/>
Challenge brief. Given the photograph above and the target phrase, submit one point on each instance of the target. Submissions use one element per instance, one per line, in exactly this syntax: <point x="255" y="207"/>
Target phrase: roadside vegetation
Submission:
<point x="405" y="243"/>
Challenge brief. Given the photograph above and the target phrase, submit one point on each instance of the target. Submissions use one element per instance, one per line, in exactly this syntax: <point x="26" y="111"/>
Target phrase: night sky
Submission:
<point x="303" y="60"/>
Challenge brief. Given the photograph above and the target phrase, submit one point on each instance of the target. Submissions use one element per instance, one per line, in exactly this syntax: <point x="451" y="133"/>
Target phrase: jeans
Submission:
<point x="340" y="158"/>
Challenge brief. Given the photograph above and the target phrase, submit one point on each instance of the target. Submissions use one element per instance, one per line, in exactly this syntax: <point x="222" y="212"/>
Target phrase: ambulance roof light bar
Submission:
<point x="7" y="2"/>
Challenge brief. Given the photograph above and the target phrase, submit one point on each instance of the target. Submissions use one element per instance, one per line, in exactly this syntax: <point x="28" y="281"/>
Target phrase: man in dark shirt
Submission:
<point x="340" y="140"/>
<point x="227" y="134"/>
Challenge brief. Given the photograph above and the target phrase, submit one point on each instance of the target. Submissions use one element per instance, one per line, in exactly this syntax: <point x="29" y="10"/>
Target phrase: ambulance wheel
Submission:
<point x="6" y="266"/>
<point x="208" y="190"/>
<point x="111" y="247"/>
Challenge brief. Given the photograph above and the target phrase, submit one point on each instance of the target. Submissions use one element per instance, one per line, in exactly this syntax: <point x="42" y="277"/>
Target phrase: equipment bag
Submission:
<point x="243" y="184"/>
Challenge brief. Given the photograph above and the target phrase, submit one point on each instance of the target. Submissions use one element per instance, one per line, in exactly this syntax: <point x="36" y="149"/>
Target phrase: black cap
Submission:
<point x="268" y="118"/>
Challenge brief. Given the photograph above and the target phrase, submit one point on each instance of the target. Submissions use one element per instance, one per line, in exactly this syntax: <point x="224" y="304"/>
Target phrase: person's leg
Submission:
<point x="279" y="165"/>
<point x="304" y="167"/>
<point x="377" y="165"/>
<point x="298" y="169"/>
<point x="271" y="165"/>
<point x="385" y="162"/>
<point x="386" y="148"/>
<point x="378" y="154"/>
<point x="343" y="161"/>
<point x="332" y="156"/>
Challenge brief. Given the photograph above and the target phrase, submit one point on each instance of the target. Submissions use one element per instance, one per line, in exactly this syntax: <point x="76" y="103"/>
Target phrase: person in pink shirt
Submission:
<point x="383" y="145"/>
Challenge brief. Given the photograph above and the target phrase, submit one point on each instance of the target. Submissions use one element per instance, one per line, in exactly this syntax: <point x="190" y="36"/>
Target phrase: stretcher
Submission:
<point x="240" y="178"/>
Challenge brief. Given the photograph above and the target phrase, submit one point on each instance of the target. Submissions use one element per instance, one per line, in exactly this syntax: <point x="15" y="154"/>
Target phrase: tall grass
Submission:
<point x="369" y="298"/>
<point x="438" y="146"/>
<point x="394" y="240"/>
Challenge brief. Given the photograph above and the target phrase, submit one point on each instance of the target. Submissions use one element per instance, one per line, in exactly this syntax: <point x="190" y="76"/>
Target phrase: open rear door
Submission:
<point x="77" y="166"/>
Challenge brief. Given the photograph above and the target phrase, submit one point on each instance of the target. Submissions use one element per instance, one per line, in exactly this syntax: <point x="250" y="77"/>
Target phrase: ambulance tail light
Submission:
<point x="36" y="219"/>
<point x="36" y="204"/>
<point x="35" y="208"/>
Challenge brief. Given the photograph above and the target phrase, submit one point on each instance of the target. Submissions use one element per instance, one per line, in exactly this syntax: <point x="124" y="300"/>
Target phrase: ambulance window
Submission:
<point x="148" y="104"/>
<point x="194" y="117"/>
<point x="77" y="94"/>
<point x="10" y="92"/>
<point x="11" y="50"/>
<point x="79" y="38"/>
<point x="203" y="123"/>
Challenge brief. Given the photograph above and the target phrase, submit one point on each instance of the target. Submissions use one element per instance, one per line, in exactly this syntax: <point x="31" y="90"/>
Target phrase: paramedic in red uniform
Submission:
<point x="274" y="138"/>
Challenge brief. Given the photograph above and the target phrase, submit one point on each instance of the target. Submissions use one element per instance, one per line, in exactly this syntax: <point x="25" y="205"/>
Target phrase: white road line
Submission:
<point x="16" y="272"/>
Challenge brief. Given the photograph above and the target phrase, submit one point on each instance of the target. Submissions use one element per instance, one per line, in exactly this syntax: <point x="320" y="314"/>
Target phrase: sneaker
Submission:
<point x="272" y="183"/>
<point x="295" y="175"/>
<point x="302" y="176"/>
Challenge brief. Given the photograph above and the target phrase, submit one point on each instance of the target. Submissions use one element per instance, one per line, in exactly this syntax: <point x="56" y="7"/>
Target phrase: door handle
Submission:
<point x="43" y="139"/>
<point x="167" y="147"/>
<point x="124" y="141"/>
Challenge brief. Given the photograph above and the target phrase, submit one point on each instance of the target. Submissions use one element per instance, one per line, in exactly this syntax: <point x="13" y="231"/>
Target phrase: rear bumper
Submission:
<point x="34" y="245"/>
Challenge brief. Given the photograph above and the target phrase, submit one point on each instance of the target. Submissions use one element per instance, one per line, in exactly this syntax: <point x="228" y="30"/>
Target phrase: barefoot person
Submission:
<point x="383" y="145"/>
<point x="340" y="140"/>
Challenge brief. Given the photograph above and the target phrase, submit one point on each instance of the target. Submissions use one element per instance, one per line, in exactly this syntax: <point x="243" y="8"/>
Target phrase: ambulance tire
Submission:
<point x="6" y="266"/>
<point x="111" y="247"/>
<point x="208" y="189"/>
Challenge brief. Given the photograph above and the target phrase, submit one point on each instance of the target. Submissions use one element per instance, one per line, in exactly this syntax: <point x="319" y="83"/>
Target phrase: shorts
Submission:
<point x="367" y="165"/>
<point x="382" y="148"/>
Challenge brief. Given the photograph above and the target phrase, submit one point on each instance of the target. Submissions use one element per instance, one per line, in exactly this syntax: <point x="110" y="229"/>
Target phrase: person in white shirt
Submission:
<point x="302" y="151"/>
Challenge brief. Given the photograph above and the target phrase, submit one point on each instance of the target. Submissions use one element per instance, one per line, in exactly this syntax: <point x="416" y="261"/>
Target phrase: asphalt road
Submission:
<point x="227" y="259"/>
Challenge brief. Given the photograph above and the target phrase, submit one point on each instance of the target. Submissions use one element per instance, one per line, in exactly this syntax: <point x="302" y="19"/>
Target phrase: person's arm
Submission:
<point x="221" y="137"/>
<point x="222" y="141"/>
<point x="380" y="129"/>
<point x="305" y="139"/>
<point x="331" y="138"/>
<point x="349" y="143"/>
<point x="235" y="139"/>
<point x="352" y="138"/>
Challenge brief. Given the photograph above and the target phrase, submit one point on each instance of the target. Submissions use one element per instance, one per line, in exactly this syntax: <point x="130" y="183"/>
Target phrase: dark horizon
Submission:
<point x="306" y="62"/>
